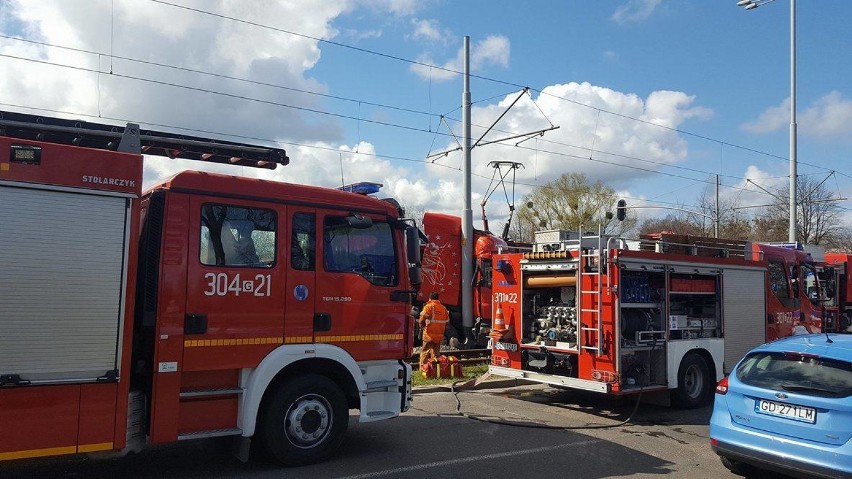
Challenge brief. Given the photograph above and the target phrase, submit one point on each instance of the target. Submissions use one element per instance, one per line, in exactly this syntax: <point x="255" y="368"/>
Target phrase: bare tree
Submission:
<point x="698" y="220"/>
<point x="819" y="217"/>
<point x="569" y="203"/>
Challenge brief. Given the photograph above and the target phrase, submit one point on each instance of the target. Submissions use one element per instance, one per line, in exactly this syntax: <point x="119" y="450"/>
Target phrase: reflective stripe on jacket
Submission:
<point x="435" y="316"/>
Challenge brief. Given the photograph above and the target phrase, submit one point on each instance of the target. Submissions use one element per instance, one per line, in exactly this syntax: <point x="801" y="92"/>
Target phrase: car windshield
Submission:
<point x="796" y="372"/>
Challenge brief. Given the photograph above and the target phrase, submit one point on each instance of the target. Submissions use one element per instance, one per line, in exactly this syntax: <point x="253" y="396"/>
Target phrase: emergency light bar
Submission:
<point x="362" y="188"/>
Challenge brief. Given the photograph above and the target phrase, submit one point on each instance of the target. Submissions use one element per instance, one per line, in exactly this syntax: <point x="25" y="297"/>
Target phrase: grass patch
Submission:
<point x="470" y="372"/>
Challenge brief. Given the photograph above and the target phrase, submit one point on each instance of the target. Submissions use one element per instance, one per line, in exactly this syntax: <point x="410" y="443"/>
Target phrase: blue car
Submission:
<point x="787" y="407"/>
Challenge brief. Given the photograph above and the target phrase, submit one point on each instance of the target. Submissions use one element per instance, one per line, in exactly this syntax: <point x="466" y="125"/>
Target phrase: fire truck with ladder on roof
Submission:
<point x="667" y="315"/>
<point x="210" y="305"/>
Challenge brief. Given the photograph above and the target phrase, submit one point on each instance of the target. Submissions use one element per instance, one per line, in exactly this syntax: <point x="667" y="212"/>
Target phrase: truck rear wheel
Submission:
<point x="305" y="420"/>
<point x="693" y="382"/>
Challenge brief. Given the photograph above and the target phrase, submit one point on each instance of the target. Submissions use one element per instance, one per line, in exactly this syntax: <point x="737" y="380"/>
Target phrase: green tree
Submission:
<point x="570" y="202"/>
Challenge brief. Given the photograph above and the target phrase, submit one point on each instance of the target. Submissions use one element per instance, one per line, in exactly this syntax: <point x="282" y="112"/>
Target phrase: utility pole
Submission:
<point x="716" y="216"/>
<point x="467" y="212"/>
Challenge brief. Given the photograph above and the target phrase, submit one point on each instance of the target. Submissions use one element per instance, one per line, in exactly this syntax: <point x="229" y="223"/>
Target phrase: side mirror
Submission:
<point x="412" y="245"/>
<point x="412" y="250"/>
<point x="415" y="275"/>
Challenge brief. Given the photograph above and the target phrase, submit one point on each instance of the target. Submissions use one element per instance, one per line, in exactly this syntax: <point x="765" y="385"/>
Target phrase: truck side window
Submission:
<point x="778" y="280"/>
<point x="809" y="281"/>
<point x="237" y="236"/>
<point x="368" y="252"/>
<point x="303" y="243"/>
<point x="794" y="280"/>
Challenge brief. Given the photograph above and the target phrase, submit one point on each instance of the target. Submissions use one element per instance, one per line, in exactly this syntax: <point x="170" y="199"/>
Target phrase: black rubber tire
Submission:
<point x="301" y="408"/>
<point x="693" y="383"/>
<point x="736" y="467"/>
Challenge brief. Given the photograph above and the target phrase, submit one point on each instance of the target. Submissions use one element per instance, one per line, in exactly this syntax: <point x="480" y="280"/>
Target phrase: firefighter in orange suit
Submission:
<point x="433" y="320"/>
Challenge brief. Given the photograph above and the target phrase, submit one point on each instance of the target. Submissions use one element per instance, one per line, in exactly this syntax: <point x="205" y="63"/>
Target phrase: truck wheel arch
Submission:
<point x="288" y="361"/>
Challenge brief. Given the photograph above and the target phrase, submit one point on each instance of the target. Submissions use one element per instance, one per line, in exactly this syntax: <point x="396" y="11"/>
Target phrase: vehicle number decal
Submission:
<point x="506" y="298"/>
<point x="222" y="285"/>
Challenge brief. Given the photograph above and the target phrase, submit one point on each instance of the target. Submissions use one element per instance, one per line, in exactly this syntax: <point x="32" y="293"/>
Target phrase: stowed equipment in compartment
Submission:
<point x="550" y="313"/>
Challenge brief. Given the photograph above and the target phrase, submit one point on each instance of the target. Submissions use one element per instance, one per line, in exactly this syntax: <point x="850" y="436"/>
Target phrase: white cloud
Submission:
<point x="771" y="119"/>
<point x="635" y="11"/>
<point x="828" y="117"/>
<point x="620" y="143"/>
<point x="610" y="56"/>
<point x="430" y="30"/>
<point x="206" y="43"/>
<point x="399" y="8"/>
<point x="493" y="50"/>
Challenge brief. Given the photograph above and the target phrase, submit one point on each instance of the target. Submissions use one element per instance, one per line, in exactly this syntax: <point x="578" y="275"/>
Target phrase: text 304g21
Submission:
<point x="222" y="285"/>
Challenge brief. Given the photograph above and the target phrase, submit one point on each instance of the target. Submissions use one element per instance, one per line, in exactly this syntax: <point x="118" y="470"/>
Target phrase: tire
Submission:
<point x="693" y="382"/>
<point x="737" y="467"/>
<point x="304" y="421"/>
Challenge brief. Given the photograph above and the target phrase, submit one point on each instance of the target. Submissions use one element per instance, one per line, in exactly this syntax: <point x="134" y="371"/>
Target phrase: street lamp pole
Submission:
<point x="752" y="4"/>
<point x="792" y="232"/>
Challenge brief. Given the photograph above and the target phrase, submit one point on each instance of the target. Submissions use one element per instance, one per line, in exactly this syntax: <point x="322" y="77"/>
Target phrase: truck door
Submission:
<point x="301" y="251"/>
<point x="235" y="283"/>
<point x="359" y="271"/>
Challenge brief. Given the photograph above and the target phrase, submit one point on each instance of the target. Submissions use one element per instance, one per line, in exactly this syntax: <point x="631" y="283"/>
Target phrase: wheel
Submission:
<point x="305" y="420"/>
<point x="737" y="467"/>
<point x="693" y="382"/>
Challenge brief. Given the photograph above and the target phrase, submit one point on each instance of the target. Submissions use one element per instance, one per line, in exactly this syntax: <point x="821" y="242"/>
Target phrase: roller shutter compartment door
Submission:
<point x="62" y="263"/>
<point x="744" y="310"/>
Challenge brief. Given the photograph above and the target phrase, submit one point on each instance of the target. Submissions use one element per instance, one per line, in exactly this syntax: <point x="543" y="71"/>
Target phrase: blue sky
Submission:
<point x="715" y="75"/>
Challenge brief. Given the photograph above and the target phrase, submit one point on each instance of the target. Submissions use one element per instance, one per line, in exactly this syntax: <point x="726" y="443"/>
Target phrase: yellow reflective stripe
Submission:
<point x="55" y="451"/>
<point x="198" y="343"/>
<point x="103" y="446"/>
<point x="358" y="338"/>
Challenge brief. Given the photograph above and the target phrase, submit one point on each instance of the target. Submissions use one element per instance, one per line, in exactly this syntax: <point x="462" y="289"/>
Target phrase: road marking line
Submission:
<point x="464" y="460"/>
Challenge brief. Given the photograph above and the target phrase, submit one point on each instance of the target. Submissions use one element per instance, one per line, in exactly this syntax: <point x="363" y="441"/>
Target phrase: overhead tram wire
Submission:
<point x="281" y="142"/>
<point x="661" y="164"/>
<point x="219" y="93"/>
<point x="220" y="75"/>
<point x="311" y="110"/>
<point x="176" y="85"/>
<point x="480" y="77"/>
<point x="391" y="106"/>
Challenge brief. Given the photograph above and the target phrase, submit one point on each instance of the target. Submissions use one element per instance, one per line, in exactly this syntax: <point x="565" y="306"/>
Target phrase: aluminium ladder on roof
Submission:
<point x="132" y="139"/>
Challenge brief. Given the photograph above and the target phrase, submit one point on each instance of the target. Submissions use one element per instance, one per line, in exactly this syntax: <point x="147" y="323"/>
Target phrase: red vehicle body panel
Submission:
<point x="509" y="285"/>
<point x="442" y="263"/>
<point x="241" y="330"/>
<point x="62" y="419"/>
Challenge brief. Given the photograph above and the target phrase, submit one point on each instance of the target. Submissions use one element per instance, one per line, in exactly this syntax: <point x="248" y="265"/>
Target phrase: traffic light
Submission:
<point x="621" y="210"/>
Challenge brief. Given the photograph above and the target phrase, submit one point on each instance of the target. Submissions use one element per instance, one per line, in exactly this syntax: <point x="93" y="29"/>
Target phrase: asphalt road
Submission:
<point x="555" y="434"/>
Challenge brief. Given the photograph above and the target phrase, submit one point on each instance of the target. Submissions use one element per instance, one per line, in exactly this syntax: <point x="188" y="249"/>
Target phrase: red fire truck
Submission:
<point x="838" y="306"/>
<point x="210" y="305"/>
<point x="442" y="266"/>
<point x="665" y="313"/>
